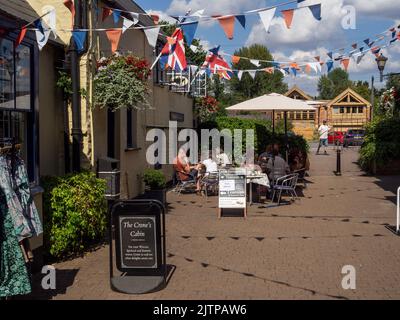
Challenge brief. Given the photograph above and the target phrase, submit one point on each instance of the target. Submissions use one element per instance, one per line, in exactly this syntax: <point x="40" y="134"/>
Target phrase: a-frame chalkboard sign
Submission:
<point x="137" y="234"/>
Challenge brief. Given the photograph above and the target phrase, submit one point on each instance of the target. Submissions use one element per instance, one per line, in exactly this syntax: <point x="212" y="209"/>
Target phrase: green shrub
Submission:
<point x="154" y="179"/>
<point x="382" y="143"/>
<point x="263" y="133"/>
<point x="75" y="213"/>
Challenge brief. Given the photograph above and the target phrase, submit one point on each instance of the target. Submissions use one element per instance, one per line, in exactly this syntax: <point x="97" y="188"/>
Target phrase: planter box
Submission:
<point x="160" y="195"/>
<point x="391" y="168"/>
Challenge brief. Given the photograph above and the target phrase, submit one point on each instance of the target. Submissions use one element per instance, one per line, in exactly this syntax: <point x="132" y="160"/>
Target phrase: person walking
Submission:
<point x="323" y="132"/>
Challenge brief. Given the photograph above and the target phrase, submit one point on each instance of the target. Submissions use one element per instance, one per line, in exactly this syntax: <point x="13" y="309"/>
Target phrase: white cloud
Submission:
<point x="163" y="16"/>
<point x="376" y="8"/>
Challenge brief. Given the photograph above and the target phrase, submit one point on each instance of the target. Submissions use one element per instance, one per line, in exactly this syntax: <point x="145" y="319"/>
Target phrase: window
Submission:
<point x="348" y="109"/>
<point x="312" y="115"/>
<point x="159" y="75"/>
<point x="17" y="119"/>
<point x="131" y="121"/>
<point x="298" y="115"/>
<point x="360" y="109"/>
<point x="354" y="110"/>
<point x="336" y="110"/>
<point x="341" y="110"/>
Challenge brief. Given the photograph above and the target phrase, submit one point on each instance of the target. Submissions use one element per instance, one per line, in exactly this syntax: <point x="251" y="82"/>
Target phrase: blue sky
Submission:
<point x="307" y="37"/>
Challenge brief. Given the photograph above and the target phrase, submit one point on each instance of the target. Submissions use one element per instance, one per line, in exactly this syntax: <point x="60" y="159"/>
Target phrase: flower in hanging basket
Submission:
<point x="207" y="108"/>
<point x="121" y="81"/>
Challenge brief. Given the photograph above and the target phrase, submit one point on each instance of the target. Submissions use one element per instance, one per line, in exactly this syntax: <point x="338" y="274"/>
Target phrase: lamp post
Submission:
<point x="381" y="61"/>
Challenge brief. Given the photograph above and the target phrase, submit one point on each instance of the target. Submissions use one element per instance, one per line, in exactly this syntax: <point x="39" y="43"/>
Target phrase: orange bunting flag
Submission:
<point x="106" y="13"/>
<point x="114" y="36"/>
<point x="288" y="16"/>
<point x="20" y="37"/>
<point x="294" y="65"/>
<point x="228" y="25"/>
<point x="71" y="6"/>
<point x="156" y="18"/>
<point x="345" y="62"/>
<point x="235" y="59"/>
<point x="269" y="70"/>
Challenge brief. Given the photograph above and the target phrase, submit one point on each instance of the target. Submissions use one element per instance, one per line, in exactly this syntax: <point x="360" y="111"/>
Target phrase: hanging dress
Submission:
<point x="14" y="277"/>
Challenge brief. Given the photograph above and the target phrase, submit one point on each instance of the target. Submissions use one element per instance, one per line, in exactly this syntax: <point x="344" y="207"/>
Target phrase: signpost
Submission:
<point x="138" y="236"/>
<point x="232" y="191"/>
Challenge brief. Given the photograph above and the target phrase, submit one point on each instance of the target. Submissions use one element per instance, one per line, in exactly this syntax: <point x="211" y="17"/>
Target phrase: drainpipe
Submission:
<point x="76" y="131"/>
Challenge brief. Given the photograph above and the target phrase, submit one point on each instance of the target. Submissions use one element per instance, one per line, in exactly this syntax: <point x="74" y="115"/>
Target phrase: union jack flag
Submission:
<point x="173" y="53"/>
<point x="217" y="65"/>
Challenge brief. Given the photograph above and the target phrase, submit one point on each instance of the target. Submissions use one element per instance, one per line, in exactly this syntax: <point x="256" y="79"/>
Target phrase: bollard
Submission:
<point x="338" y="162"/>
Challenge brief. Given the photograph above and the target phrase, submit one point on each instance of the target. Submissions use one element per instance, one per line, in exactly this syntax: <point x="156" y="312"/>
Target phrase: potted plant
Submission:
<point x="121" y="81"/>
<point x="155" y="183"/>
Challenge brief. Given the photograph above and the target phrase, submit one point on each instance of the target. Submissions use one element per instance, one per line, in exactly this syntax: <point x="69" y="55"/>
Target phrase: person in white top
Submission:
<point x="210" y="164"/>
<point x="222" y="158"/>
<point x="323" y="132"/>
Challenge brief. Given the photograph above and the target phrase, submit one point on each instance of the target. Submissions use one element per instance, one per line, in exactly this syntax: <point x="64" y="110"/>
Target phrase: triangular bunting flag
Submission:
<point x="330" y="55"/>
<point x="114" y="36"/>
<point x="288" y="16"/>
<point x="126" y="24"/>
<point x="252" y="73"/>
<point x="189" y="31"/>
<point x="156" y="18"/>
<point x="266" y="17"/>
<point x="269" y="70"/>
<point x="345" y="62"/>
<point x="242" y="20"/>
<point x="79" y="39"/>
<point x="235" y="59"/>
<point x="50" y="20"/>
<point x="308" y="69"/>
<point x="194" y="48"/>
<point x="294" y="70"/>
<point x="318" y="58"/>
<point x="116" y="15"/>
<point x="359" y="58"/>
<point x="255" y="62"/>
<point x="71" y="6"/>
<point x="329" y="65"/>
<point x="38" y="25"/>
<point x="366" y="41"/>
<point x="20" y="37"/>
<point x="135" y="17"/>
<point x="316" y="11"/>
<point x="240" y="74"/>
<point x="152" y="35"/>
<point x="228" y="25"/>
<point x="42" y="35"/>
<point x="106" y="13"/>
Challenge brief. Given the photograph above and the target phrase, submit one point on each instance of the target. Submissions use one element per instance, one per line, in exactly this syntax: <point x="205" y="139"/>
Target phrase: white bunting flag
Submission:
<point x="198" y="13"/>
<point x="127" y="24"/>
<point x="194" y="48"/>
<point x="266" y="17"/>
<point x="252" y="73"/>
<point x="240" y="74"/>
<point x="135" y="17"/>
<point x="50" y="19"/>
<point x="152" y="35"/>
<point x="359" y="58"/>
<point x="255" y="62"/>
<point x="42" y="38"/>
<point x="193" y="69"/>
<point x="282" y="71"/>
<point x="316" y="66"/>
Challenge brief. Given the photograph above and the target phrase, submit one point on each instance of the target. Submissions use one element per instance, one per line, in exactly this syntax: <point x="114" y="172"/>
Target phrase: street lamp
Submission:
<point x="381" y="61"/>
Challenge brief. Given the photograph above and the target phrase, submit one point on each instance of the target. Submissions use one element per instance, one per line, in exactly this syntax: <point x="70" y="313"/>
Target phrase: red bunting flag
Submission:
<point x="269" y="70"/>
<point x="156" y="18"/>
<point x="288" y="16"/>
<point x="235" y="59"/>
<point x="398" y="36"/>
<point x="345" y="62"/>
<point x="228" y="25"/>
<point x="20" y="37"/>
<point x="114" y="36"/>
<point x="71" y="6"/>
<point x="106" y="13"/>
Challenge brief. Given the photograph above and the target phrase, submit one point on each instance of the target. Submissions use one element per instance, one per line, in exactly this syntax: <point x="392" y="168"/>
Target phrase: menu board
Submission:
<point x="232" y="190"/>
<point x="138" y="242"/>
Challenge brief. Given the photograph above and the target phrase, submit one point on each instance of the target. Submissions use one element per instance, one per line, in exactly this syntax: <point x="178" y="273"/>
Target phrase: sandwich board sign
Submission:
<point x="232" y="191"/>
<point x="138" y="238"/>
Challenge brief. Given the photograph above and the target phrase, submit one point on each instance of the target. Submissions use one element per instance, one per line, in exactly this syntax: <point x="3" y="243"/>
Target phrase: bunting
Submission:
<point x="106" y="13"/>
<point x="114" y="36"/>
<point x="152" y="35"/>
<point x="288" y="17"/>
<point x="345" y="62"/>
<point x="127" y="23"/>
<point x="20" y="37"/>
<point x="266" y="17"/>
<point x="173" y="53"/>
<point x="79" y="39"/>
<point x="71" y="7"/>
<point x="228" y="25"/>
<point x="189" y="31"/>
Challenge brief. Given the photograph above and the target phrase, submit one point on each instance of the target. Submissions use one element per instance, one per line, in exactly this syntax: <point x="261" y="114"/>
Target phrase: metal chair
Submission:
<point x="210" y="182"/>
<point x="184" y="184"/>
<point x="286" y="183"/>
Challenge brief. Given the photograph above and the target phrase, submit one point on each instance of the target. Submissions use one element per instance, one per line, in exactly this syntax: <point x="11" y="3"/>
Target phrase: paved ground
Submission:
<point x="294" y="251"/>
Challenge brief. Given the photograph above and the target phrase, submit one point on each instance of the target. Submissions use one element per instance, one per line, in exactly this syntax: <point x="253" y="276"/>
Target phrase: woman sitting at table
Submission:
<point x="185" y="170"/>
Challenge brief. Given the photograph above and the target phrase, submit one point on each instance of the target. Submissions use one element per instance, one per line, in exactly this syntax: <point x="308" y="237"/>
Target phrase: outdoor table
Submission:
<point x="261" y="179"/>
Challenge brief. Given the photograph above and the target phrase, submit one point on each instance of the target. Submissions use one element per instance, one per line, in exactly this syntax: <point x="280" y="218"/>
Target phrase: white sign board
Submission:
<point x="232" y="190"/>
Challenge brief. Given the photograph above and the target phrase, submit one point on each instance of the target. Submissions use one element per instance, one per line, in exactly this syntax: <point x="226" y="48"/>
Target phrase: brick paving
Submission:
<point x="293" y="251"/>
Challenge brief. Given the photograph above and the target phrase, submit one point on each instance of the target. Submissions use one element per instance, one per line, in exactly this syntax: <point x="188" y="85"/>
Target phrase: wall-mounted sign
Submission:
<point x="176" y="116"/>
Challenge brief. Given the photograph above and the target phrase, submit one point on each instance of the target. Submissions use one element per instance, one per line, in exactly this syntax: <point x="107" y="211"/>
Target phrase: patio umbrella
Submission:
<point x="273" y="102"/>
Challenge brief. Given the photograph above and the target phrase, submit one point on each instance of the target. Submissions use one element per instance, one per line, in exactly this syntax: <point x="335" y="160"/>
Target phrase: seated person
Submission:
<point x="186" y="171"/>
<point x="210" y="164"/>
<point x="277" y="167"/>
<point x="222" y="159"/>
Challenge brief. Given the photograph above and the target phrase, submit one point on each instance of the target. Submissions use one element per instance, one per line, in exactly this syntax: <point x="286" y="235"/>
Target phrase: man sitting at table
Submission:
<point x="185" y="171"/>
<point x="210" y="164"/>
<point x="277" y="166"/>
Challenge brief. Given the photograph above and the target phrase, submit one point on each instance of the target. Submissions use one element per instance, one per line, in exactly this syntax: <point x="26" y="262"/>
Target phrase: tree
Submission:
<point x="363" y="89"/>
<point x="264" y="83"/>
<point x="333" y="84"/>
